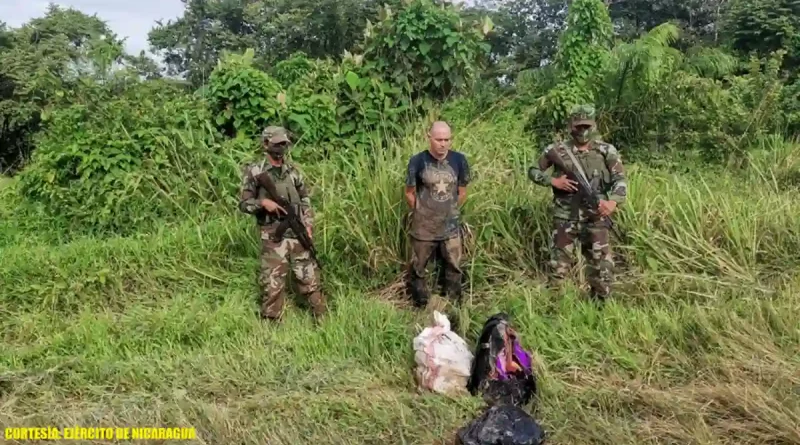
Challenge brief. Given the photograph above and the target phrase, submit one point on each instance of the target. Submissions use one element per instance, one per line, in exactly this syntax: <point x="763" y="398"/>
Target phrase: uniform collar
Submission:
<point x="571" y="146"/>
<point x="267" y="166"/>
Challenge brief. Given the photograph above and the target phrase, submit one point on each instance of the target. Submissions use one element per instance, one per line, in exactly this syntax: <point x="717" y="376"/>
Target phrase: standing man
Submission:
<point x="572" y="221"/>
<point x="436" y="187"/>
<point x="277" y="254"/>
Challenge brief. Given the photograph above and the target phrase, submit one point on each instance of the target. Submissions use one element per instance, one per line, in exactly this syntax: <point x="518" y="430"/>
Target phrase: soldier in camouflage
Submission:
<point x="435" y="188"/>
<point x="573" y="224"/>
<point x="276" y="255"/>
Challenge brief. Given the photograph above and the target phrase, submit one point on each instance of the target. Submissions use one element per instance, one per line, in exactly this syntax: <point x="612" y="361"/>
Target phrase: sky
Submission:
<point x="127" y="18"/>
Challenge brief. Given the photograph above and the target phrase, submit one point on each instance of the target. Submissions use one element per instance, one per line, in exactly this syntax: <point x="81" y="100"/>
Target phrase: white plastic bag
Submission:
<point x="444" y="360"/>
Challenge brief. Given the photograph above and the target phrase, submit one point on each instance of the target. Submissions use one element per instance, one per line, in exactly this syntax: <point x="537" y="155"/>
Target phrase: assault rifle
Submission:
<point x="584" y="189"/>
<point x="291" y="220"/>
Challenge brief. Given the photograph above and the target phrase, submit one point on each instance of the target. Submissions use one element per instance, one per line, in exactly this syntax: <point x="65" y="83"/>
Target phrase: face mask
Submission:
<point x="581" y="134"/>
<point x="276" y="152"/>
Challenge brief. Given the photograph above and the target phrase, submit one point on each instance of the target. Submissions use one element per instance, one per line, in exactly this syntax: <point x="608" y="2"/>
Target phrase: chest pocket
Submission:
<point x="594" y="166"/>
<point x="287" y="189"/>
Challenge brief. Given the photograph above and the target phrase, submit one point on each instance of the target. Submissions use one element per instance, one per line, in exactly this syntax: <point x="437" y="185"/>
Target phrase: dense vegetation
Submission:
<point x="128" y="274"/>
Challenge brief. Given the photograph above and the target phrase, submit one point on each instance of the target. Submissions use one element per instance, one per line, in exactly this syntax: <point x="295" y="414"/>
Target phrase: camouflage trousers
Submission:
<point x="593" y="240"/>
<point x="450" y="251"/>
<point x="276" y="258"/>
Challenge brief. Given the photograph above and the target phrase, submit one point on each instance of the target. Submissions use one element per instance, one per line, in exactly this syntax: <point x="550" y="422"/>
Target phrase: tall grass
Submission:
<point x="700" y="345"/>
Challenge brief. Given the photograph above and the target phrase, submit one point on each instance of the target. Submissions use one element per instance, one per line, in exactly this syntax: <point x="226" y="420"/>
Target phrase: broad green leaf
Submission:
<point x="352" y="80"/>
<point x="424" y="48"/>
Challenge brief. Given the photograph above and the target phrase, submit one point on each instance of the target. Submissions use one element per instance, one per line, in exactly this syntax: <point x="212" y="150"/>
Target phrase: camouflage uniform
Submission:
<point x="276" y="256"/>
<point x="573" y="224"/>
<point x="435" y="223"/>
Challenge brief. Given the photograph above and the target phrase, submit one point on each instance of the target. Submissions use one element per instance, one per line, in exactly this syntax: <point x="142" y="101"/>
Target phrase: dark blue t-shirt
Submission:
<point x="437" y="216"/>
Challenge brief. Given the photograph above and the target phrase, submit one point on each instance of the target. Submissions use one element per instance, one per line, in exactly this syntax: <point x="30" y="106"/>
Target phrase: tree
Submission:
<point x="698" y="19"/>
<point x="275" y="29"/>
<point x="526" y="31"/>
<point x="765" y="26"/>
<point x="40" y="63"/>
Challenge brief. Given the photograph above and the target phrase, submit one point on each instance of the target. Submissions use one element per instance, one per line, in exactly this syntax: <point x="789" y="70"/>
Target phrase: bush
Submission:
<point x="124" y="157"/>
<point x="426" y="49"/>
<point x="291" y="70"/>
<point x="244" y="99"/>
<point x="661" y="101"/>
<point x="369" y="103"/>
<point x="310" y="108"/>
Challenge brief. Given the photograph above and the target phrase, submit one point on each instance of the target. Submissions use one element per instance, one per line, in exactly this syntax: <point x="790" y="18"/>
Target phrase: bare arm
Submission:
<point x="411" y="183"/>
<point x="411" y="197"/>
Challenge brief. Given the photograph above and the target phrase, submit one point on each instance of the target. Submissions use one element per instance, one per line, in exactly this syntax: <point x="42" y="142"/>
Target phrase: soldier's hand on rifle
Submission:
<point x="565" y="184"/>
<point x="308" y="229"/>
<point x="272" y="206"/>
<point x="607" y="207"/>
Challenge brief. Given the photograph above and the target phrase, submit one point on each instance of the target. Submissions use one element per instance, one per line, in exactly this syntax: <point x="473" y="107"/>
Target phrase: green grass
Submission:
<point x="701" y="344"/>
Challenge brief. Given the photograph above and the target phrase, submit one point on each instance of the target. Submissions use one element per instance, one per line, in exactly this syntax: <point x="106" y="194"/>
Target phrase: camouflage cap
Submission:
<point x="275" y="135"/>
<point x="582" y="115"/>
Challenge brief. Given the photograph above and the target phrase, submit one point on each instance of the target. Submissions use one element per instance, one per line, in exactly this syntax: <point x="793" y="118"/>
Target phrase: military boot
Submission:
<point x="599" y="298"/>
<point x="318" y="305"/>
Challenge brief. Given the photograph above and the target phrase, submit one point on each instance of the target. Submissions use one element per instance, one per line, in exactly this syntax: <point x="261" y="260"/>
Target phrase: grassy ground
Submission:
<point x="700" y="346"/>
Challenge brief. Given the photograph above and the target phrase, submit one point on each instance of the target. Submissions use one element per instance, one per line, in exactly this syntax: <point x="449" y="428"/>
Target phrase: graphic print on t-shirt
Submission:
<point x="440" y="183"/>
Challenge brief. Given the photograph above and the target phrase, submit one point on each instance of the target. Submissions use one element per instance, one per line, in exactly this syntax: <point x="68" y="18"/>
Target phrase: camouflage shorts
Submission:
<point x="276" y="258"/>
<point x="593" y="239"/>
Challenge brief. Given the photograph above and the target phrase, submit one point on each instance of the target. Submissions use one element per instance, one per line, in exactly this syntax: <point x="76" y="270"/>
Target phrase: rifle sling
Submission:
<point x="577" y="165"/>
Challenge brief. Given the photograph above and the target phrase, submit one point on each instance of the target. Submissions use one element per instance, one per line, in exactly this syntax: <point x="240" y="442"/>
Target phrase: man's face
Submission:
<point x="581" y="133"/>
<point x="276" y="151"/>
<point x="439" y="141"/>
